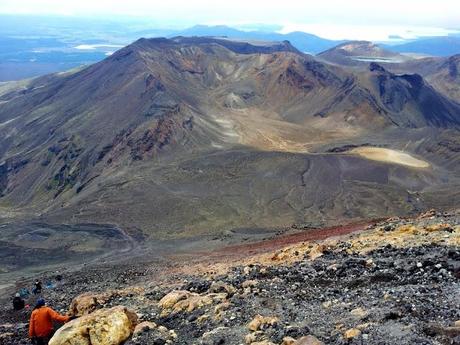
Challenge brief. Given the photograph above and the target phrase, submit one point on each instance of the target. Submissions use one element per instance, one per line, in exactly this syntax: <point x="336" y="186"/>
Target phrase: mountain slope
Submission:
<point x="410" y="94"/>
<point x="191" y="136"/>
<point x="441" y="72"/>
<point x="447" y="77"/>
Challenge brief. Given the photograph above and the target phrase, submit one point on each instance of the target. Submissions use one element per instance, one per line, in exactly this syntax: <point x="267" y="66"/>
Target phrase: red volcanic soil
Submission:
<point x="285" y="240"/>
<point x="242" y="251"/>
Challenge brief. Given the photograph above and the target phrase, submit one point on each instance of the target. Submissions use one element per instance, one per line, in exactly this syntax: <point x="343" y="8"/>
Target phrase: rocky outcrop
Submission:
<point x="261" y="322"/>
<point x="308" y="340"/>
<point x="102" y="327"/>
<point x="87" y="303"/>
<point x="394" y="283"/>
<point x="185" y="301"/>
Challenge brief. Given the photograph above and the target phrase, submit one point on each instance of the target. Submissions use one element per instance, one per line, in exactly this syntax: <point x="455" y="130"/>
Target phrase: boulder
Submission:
<point x="352" y="333"/>
<point x="250" y="338"/>
<point x="216" y="336"/>
<point x="102" y="327"/>
<point x="428" y="214"/>
<point x="87" y="303"/>
<point x="254" y="337"/>
<point x="453" y="331"/>
<point x="308" y="340"/>
<point x="168" y="301"/>
<point x="198" y="301"/>
<point x="359" y="313"/>
<point x="249" y="283"/>
<point x="288" y="341"/>
<point x="260" y="322"/>
<point x="220" y="308"/>
<point x="446" y="227"/>
<point x="144" y="327"/>
<point x="150" y="333"/>
<point x="220" y="286"/>
<point x="185" y="301"/>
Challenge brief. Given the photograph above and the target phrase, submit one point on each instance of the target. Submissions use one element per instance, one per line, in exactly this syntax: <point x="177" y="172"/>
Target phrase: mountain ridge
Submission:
<point x="162" y="122"/>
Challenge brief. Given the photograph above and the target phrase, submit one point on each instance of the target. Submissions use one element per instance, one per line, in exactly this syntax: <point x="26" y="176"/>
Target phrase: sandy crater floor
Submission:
<point x="390" y="156"/>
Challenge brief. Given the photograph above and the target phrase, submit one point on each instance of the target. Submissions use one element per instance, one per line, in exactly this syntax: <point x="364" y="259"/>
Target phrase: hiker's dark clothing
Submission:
<point x="41" y="340"/>
<point x="18" y="303"/>
<point x="37" y="288"/>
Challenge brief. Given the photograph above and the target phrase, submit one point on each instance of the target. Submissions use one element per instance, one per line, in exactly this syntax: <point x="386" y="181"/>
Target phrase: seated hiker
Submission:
<point x="41" y="323"/>
<point x="37" y="287"/>
<point x="18" y="302"/>
<point x="24" y="293"/>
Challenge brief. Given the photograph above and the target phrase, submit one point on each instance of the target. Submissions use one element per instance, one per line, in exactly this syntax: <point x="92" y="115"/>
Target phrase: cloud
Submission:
<point x="367" y="32"/>
<point x="397" y="13"/>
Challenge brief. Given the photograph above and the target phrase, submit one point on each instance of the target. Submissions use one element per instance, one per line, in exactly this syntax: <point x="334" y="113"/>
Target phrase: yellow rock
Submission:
<point x="222" y="287"/>
<point x="202" y="318"/>
<point x="87" y="303"/>
<point x="439" y="227"/>
<point x="327" y="304"/>
<point x="363" y="326"/>
<point x="280" y="256"/>
<point x="178" y="301"/>
<point x="340" y="327"/>
<point x="288" y="341"/>
<point x="260" y="322"/>
<point x="143" y="326"/>
<point x="197" y="301"/>
<point x="316" y="251"/>
<point x="308" y="340"/>
<point x="250" y="338"/>
<point x="102" y="327"/>
<point x="163" y="329"/>
<point x="249" y="284"/>
<point x="168" y="301"/>
<point x="457" y="323"/>
<point x="173" y="334"/>
<point x="359" y="313"/>
<point x="352" y="333"/>
<point x="221" y="307"/>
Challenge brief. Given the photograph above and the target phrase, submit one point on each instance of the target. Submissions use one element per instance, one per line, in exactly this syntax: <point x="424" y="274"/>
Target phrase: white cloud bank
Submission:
<point x="367" y="32"/>
<point x="352" y="19"/>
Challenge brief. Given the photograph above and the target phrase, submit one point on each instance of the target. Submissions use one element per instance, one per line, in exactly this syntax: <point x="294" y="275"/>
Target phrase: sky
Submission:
<point x="335" y="19"/>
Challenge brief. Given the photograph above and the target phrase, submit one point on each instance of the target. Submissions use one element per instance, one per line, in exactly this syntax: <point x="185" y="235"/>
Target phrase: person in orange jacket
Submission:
<point x="41" y="323"/>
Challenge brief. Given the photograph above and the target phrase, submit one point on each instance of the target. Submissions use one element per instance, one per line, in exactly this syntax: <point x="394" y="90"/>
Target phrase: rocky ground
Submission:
<point x="397" y="282"/>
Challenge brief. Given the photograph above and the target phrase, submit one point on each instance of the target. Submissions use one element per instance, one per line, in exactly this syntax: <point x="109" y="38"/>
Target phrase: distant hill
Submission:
<point x="303" y="41"/>
<point x="356" y="53"/>
<point x="436" y="46"/>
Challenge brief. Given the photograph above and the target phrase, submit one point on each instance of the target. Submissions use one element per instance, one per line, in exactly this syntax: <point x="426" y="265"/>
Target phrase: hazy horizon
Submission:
<point x="332" y="19"/>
